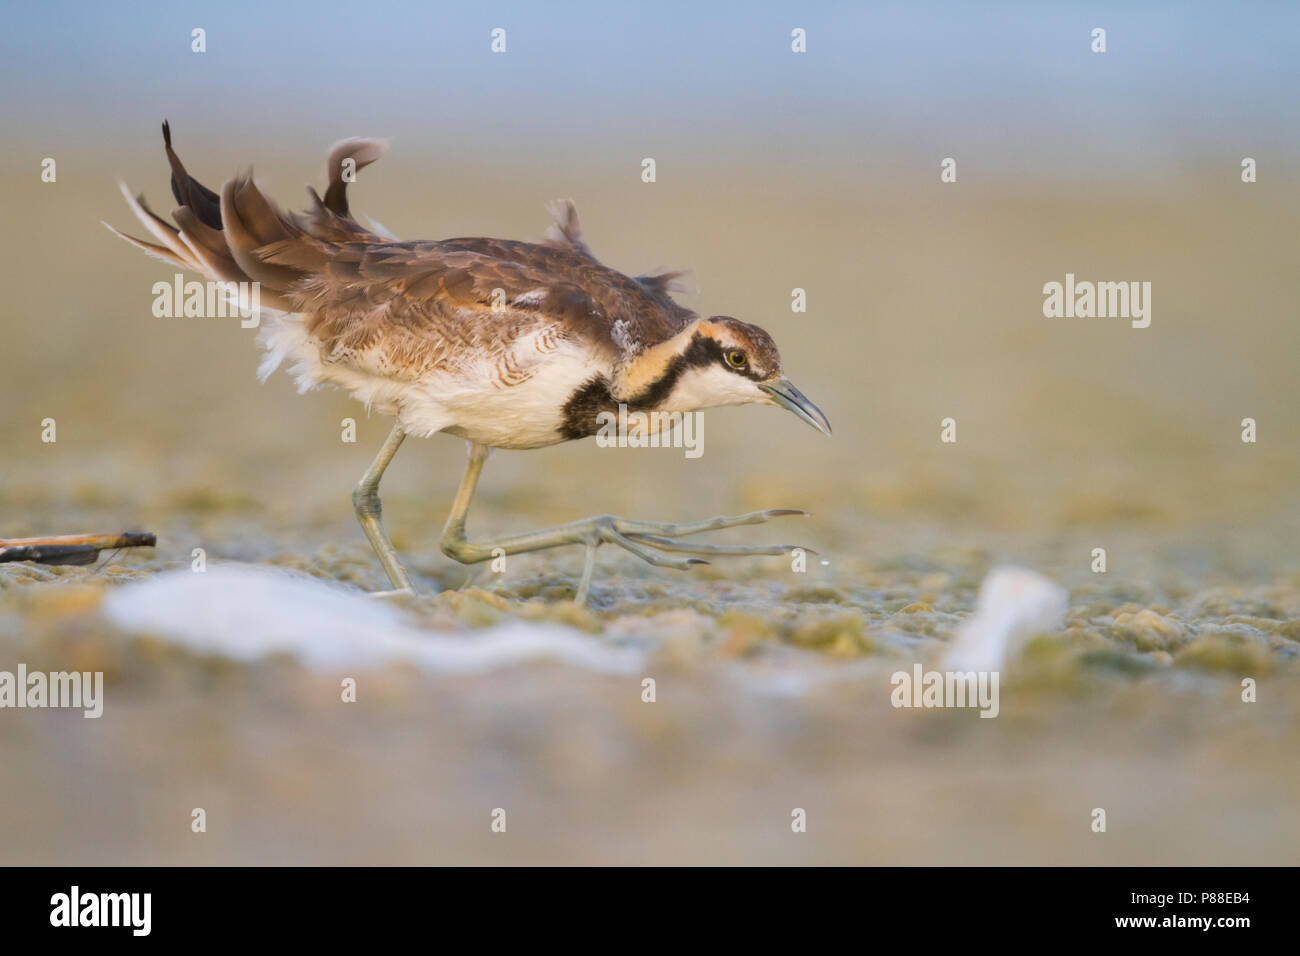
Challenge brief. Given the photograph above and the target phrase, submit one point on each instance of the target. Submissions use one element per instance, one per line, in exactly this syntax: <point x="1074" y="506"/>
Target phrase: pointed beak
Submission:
<point x="786" y="395"/>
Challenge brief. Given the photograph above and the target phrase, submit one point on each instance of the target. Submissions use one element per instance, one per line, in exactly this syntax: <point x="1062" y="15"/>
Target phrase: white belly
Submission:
<point x="471" y="401"/>
<point x="471" y="404"/>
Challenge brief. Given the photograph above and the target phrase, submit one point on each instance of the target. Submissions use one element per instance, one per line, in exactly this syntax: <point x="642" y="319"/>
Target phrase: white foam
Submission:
<point x="1013" y="605"/>
<point x="247" y="612"/>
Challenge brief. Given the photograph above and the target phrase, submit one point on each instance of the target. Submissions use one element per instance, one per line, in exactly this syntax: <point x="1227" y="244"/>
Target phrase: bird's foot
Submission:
<point x="646" y="539"/>
<point x="399" y="592"/>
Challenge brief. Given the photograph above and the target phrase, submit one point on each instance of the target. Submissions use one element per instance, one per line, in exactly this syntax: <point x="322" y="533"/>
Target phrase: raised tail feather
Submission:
<point x="225" y="236"/>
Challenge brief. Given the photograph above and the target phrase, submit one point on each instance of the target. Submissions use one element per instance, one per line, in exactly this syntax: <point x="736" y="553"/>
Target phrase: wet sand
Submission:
<point x="772" y="686"/>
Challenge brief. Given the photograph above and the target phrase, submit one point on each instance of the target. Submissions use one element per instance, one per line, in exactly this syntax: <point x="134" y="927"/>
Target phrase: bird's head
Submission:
<point x="723" y="361"/>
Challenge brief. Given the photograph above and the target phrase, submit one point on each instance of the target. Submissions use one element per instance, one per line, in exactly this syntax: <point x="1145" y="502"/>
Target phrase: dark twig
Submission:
<point x="71" y="548"/>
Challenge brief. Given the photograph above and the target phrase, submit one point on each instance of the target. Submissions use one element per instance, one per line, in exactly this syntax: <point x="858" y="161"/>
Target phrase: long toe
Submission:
<point x="649" y="555"/>
<point x="678" y="529"/>
<point x="668" y="544"/>
<point x="399" y="592"/>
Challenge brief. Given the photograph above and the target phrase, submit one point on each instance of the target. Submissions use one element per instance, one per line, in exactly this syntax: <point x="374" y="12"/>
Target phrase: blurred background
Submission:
<point x="775" y="171"/>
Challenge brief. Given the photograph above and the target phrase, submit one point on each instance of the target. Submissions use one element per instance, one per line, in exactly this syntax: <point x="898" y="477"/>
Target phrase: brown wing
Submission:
<point x="428" y="302"/>
<point x="415" y="307"/>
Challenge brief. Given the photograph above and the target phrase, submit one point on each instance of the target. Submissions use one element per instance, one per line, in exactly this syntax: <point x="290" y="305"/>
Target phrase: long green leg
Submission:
<point x="365" y="498"/>
<point x="640" y="538"/>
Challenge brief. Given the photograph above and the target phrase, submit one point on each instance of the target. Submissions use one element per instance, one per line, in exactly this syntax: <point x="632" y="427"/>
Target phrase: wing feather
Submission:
<point x="407" y="307"/>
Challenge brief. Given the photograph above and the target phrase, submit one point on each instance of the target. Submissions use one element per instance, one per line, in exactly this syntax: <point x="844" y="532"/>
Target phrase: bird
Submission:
<point x="506" y="344"/>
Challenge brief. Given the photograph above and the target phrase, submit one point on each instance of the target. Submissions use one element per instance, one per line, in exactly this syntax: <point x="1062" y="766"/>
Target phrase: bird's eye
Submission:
<point x="736" y="358"/>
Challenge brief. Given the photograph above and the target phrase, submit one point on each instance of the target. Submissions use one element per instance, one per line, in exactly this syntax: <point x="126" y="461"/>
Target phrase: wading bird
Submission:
<point x="506" y="344"/>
